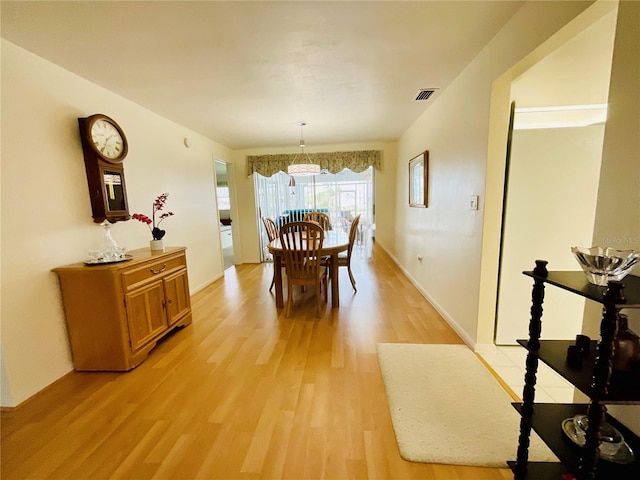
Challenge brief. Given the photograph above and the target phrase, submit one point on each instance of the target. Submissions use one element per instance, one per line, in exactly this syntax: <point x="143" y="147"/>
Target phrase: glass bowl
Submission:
<point x="608" y="434"/>
<point x="602" y="264"/>
<point x="612" y="446"/>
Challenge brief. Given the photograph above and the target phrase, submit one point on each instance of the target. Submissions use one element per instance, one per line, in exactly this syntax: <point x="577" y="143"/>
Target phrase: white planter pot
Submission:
<point x="157" y="245"/>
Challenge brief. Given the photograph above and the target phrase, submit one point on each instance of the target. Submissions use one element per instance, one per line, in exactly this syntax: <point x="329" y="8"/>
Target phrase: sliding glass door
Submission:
<point x="343" y="196"/>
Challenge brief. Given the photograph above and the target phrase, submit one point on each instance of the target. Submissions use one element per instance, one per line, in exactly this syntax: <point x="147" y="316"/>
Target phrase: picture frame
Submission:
<point x="419" y="180"/>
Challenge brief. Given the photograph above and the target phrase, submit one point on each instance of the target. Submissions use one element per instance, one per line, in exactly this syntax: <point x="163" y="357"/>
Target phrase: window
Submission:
<point x="342" y="195"/>
<point x="224" y="202"/>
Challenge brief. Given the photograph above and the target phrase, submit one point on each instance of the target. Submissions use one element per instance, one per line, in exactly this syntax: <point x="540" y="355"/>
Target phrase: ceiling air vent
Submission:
<point x="424" y="94"/>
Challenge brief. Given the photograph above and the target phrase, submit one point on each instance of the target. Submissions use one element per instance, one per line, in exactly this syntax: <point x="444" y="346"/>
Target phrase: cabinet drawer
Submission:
<point x="150" y="271"/>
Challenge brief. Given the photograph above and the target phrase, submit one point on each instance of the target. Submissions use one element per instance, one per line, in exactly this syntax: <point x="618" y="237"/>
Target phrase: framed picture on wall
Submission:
<point x="418" y="180"/>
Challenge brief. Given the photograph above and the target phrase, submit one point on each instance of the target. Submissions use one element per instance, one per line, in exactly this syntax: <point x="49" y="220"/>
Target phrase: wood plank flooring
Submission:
<point x="242" y="393"/>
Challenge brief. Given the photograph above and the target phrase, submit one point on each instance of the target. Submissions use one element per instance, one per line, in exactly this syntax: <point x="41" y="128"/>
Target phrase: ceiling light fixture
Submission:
<point x="306" y="167"/>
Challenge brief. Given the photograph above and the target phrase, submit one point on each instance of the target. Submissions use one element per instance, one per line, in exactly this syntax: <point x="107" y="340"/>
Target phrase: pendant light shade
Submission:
<point x="302" y="164"/>
<point x="302" y="169"/>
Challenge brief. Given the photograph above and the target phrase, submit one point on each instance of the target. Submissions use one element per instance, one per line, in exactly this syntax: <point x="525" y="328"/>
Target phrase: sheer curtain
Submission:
<point x="342" y="195"/>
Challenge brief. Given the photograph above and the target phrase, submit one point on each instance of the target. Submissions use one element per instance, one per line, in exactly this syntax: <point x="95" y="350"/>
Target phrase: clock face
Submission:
<point x="107" y="139"/>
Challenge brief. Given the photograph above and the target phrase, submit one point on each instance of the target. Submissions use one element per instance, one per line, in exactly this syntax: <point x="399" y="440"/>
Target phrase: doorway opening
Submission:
<point x="552" y="176"/>
<point x="224" y="213"/>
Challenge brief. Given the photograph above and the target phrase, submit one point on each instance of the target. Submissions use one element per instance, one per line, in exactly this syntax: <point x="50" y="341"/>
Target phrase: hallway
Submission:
<point x="242" y="393"/>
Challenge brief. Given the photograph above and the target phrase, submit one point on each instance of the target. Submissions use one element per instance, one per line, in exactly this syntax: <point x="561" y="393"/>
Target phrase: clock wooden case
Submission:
<point x="105" y="147"/>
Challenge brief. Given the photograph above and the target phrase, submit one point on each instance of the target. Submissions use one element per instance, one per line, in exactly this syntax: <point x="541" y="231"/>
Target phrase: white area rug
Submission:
<point x="447" y="408"/>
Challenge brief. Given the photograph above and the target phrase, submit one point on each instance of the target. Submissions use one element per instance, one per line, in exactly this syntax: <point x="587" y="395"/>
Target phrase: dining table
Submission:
<point x="334" y="242"/>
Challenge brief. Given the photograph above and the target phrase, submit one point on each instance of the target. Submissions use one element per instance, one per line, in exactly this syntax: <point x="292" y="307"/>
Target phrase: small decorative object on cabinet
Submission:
<point x="117" y="312"/>
<point x="594" y="376"/>
<point x="109" y="251"/>
<point x="157" y="245"/>
<point x="154" y="222"/>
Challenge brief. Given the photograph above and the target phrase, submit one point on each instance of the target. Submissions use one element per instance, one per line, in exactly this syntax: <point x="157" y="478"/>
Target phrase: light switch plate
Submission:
<point x="473" y="202"/>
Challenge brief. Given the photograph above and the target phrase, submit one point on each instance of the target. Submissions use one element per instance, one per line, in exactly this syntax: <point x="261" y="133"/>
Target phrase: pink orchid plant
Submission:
<point x="155" y="221"/>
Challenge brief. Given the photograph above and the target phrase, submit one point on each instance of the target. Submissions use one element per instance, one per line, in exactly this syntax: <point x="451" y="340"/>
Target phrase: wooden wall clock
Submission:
<point x="105" y="147"/>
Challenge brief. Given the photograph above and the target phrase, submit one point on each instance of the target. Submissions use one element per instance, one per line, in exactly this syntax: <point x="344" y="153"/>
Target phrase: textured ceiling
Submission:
<point x="244" y="73"/>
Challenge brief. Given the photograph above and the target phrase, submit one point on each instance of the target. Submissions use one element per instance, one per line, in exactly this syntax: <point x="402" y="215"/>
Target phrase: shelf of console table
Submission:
<point x="623" y="388"/>
<point x="547" y="422"/>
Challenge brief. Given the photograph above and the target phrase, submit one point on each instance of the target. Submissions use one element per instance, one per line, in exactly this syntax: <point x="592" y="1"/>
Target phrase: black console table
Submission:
<point x="594" y="378"/>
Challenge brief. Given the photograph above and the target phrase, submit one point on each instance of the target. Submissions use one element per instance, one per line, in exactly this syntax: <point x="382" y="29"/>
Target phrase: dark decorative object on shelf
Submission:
<point x="583" y="342"/>
<point x="575" y="353"/>
<point x="574" y="356"/>
<point x="626" y="357"/>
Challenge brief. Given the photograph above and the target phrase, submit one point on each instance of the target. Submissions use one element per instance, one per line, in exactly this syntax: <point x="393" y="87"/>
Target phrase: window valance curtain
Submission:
<point x="334" y="162"/>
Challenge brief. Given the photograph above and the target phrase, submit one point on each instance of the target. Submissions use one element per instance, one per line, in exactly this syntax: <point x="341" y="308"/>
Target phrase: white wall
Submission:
<point x="6" y="398"/>
<point x="455" y="130"/>
<point x="502" y="91"/>
<point x="617" y="222"/>
<point x="384" y="188"/>
<point x="46" y="214"/>
<point x="550" y="207"/>
<point x="618" y="208"/>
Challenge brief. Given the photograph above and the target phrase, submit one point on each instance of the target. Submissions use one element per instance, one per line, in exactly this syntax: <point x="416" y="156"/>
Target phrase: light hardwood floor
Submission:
<point x="242" y="393"/>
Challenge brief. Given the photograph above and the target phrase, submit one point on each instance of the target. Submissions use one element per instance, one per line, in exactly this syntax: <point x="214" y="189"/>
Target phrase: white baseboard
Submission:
<point x="204" y="285"/>
<point x="447" y="318"/>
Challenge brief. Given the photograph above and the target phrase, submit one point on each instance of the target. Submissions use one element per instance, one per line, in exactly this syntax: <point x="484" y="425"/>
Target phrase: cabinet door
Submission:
<point x="227" y="239"/>
<point x="146" y="314"/>
<point x="177" y="296"/>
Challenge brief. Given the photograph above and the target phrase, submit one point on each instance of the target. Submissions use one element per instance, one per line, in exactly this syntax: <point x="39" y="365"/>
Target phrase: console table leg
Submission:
<point x="528" y="393"/>
<point x="601" y="378"/>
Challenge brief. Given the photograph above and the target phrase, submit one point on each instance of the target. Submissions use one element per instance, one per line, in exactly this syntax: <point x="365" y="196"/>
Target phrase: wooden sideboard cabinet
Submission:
<point x="117" y="312"/>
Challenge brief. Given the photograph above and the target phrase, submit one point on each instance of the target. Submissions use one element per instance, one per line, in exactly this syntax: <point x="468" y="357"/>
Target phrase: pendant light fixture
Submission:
<point x="305" y="167"/>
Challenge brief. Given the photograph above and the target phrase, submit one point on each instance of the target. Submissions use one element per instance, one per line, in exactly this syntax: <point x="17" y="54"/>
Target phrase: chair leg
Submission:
<point x="318" y="297"/>
<point x="289" y="295"/>
<point x="326" y="288"/>
<point x="273" y="282"/>
<point x="353" y="280"/>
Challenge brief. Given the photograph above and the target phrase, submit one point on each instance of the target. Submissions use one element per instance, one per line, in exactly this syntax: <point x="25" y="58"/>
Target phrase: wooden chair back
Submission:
<point x="271" y="228"/>
<point x="340" y="224"/>
<point x="345" y="260"/>
<point x="301" y="245"/>
<point x="272" y="234"/>
<point x="353" y="231"/>
<point x="319" y="217"/>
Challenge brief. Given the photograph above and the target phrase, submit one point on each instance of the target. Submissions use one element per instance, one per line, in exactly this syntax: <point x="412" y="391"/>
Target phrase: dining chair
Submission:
<point x="301" y="247"/>
<point x="340" y="224"/>
<point x="319" y="217"/>
<point x="344" y="258"/>
<point x="272" y="234"/>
